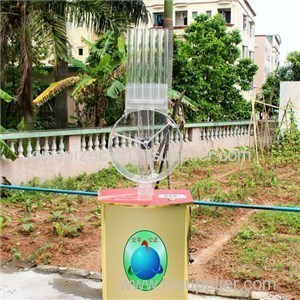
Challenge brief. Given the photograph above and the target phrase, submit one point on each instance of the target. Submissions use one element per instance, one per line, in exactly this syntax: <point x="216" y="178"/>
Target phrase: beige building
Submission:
<point x="276" y="42"/>
<point x="238" y="14"/>
<point x="78" y="49"/>
<point x="266" y="57"/>
<point x="263" y="58"/>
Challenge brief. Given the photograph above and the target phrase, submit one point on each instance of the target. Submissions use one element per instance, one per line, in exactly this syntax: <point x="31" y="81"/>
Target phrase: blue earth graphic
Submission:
<point x="145" y="262"/>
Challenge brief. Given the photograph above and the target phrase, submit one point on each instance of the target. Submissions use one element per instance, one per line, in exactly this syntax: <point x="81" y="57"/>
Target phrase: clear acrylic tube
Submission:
<point x="147" y="69"/>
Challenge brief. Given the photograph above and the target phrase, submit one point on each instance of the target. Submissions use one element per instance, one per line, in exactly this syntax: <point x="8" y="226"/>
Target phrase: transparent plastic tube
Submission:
<point x="147" y="69"/>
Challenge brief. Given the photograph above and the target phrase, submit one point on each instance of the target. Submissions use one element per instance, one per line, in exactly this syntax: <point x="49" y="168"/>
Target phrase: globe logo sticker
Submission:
<point x="145" y="260"/>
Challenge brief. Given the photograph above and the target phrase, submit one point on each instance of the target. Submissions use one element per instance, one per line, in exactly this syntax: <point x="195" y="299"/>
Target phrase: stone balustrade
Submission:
<point x="45" y="154"/>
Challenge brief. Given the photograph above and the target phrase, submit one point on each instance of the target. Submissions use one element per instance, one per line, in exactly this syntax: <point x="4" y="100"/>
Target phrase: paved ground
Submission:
<point x="30" y="284"/>
<point x="26" y="281"/>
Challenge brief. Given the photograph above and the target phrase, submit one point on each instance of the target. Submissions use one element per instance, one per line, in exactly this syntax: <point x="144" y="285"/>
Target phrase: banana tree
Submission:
<point x="98" y="82"/>
<point x="4" y="148"/>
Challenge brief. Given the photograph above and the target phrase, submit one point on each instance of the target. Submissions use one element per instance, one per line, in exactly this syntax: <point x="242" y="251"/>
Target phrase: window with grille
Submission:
<point x="158" y="19"/>
<point x="226" y="14"/>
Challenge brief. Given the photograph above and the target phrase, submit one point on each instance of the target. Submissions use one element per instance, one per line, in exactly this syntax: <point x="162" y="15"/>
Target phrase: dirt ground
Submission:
<point x="80" y="247"/>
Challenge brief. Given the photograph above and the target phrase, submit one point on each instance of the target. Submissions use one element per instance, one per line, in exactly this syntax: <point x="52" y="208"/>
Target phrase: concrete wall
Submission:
<point x="289" y="90"/>
<point x="75" y="154"/>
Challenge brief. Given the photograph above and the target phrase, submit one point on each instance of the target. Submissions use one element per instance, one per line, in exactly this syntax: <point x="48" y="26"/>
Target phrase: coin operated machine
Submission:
<point x="145" y="231"/>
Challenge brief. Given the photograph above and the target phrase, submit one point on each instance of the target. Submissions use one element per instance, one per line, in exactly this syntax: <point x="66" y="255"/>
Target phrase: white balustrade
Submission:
<point x="90" y="143"/>
<point x="96" y="143"/>
<point x="55" y="142"/>
<point x="83" y="143"/>
<point x="46" y="146"/>
<point x="103" y="141"/>
<point x="20" y="148"/>
<point x="122" y="142"/>
<point x="61" y="146"/>
<point x="12" y="146"/>
<point x="37" y="150"/>
<point x="185" y="136"/>
<point x="217" y="132"/>
<point x="29" y="148"/>
<point x="53" y="146"/>
<point x="135" y="137"/>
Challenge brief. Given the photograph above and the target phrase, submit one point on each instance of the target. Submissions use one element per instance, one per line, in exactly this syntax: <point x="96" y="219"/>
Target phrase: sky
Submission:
<point x="279" y="17"/>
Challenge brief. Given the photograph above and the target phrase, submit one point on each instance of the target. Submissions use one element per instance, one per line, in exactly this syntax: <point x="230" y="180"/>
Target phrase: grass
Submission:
<point x="265" y="249"/>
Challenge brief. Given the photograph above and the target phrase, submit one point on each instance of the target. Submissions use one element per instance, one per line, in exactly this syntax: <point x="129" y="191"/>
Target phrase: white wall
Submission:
<point x="75" y="160"/>
<point x="290" y="90"/>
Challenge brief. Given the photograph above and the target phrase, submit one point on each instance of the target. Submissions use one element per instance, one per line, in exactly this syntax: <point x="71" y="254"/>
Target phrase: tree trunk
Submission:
<point x="61" y="101"/>
<point x="24" y="94"/>
<point x="3" y="104"/>
<point x="168" y="24"/>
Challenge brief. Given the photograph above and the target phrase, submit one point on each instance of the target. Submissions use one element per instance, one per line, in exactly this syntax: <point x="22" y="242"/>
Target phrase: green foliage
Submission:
<point x="5" y="219"/>
<point x="271" y="87"/>
<point x="28" y="227"/>
<point x="269" y="243"/>
<point x="4" y="148"/>
<point x="70" y="229"/>
<point x="39" y="252"/>
<point x="5" y="96"/>
<point x="204" y="188"/>
<point x="290" y="72"/>
<point x="16" y="253"/>
<point x="100" y="81"/>
<point x="186" y="101"/>
<point x="286" y="146"/>
<point x="37" y="29"/>
<point x="207" y="65"/>
<point x="293" y="59"/>
<point x="278" y="222"/>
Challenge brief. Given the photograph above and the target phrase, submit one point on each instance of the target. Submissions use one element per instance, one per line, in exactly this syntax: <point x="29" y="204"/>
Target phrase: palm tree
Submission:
<point x="15" y="20"/>
<point x="46" y="20"/>
<point x="168" y="24"/>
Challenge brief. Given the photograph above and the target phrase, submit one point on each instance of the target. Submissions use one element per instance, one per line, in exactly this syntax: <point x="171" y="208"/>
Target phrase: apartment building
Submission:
<point x="238" y="14"/>
<point x="276" y="42"/>
<point x="266" y="57"/>
<point x="263" y="58"/>
<point x="77" y="48"/>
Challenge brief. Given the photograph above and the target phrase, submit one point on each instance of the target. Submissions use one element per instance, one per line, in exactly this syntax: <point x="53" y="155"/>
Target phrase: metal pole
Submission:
<point x="195" y="202"/>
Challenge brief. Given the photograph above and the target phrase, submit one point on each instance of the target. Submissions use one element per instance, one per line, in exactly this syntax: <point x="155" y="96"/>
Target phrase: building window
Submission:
<point x="245" y="51"/>
<point x="208" y="13"/>
<point x="251" y="55"/>
<point x="251" y="29"/>
<point x="245" y="22"/>
<point x="226" y="14"/>
<point x="194" y="14"/>
<point x="181" y="18"/>
<point x="158" y="19"/>
<point x="80" y="51"/>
